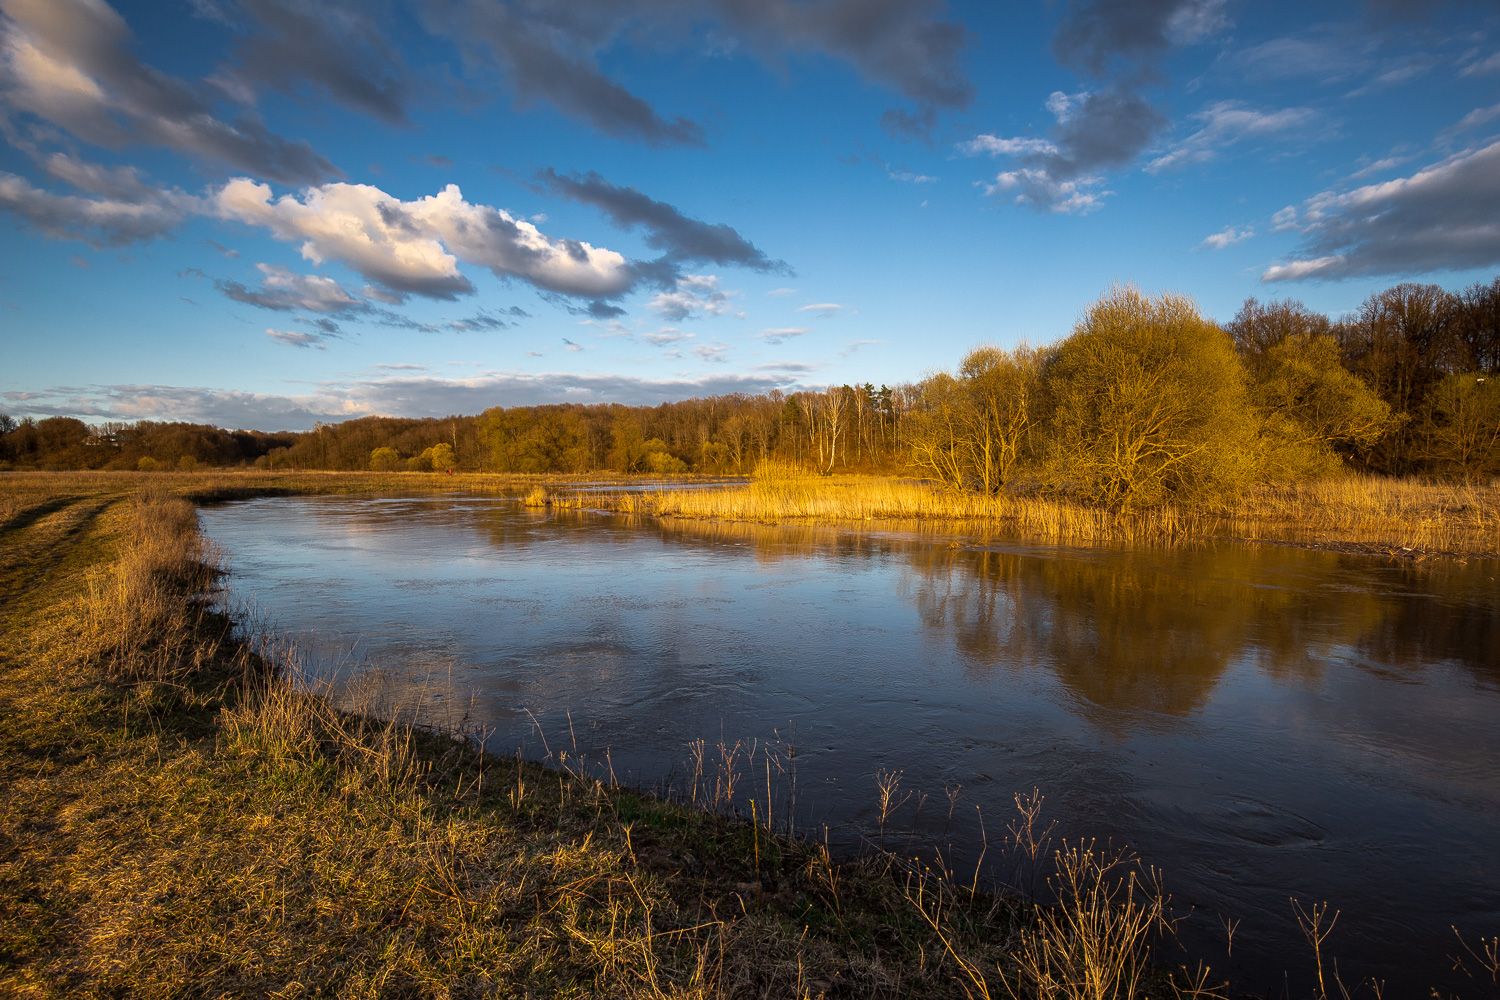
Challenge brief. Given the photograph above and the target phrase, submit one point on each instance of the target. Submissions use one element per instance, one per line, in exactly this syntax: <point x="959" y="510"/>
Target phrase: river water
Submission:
<point x="1261" y="723"/>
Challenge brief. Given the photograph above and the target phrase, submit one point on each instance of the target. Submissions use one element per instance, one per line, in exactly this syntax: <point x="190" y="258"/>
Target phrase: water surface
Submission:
<point x="1259" y="722"/>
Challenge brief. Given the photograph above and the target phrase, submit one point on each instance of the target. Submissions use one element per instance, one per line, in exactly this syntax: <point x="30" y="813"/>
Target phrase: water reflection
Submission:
<point x="1138" y="634"/>
<point x="1260" y="722"/>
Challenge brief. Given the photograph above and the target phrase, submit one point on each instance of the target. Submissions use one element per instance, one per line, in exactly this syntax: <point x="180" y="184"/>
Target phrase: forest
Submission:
<point x="1144" y="401"/>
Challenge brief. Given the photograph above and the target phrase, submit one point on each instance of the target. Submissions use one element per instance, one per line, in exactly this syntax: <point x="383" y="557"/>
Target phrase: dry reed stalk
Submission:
<point x="1401" y="516"/>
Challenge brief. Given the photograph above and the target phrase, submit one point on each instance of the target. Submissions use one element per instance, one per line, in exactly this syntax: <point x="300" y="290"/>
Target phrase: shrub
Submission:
<point x="385" y="460"/>
<point x="147" y="464"/>
<point x="1150" y="406"/>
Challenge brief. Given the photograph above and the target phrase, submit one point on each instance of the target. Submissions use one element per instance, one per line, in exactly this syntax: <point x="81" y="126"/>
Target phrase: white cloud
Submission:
<point x="1443" y="217"/>
<point x="1039" y="189"/>
<point x="69" y="62"/>
<point x="714" y="354"/>
<point x="910" y="178"/>
<point x="854" y="345"/>
<point x="666" y="335"/>
<point x="283" y="289"/>
<point x="996" y="146"/>
<point x="1064" y="106"/>
<point x="1483" y="66"/>
<point x="1226" y="238"/>
<point x="781" y="293"/>
<point x="96" y="221"/>
<point x="781" y="334"/>
<point x="1284" y="220"/>
<point x="1475" y="118"/>
<point x="1197" y="21"/>
<point x="296" y="338"/>
<point x="1225" y="123"/>
<point x="1318" y="266"/>
<point x="824" y="310"/>
<point x="696" y="295"/>
<point x="1380" y="166"/>
<point x="414" y="246"/>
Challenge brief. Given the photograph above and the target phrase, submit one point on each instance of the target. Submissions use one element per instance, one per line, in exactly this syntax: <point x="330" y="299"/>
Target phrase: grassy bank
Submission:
<point x="1402" y="517"/>
<point x="178" y="819"/>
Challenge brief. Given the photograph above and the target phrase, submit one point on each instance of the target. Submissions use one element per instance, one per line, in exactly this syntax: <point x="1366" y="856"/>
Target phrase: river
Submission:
<point x="1259" y="722"/>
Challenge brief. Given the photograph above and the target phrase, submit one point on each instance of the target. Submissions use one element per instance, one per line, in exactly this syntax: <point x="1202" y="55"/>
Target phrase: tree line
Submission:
<point x="1144" y="401"/>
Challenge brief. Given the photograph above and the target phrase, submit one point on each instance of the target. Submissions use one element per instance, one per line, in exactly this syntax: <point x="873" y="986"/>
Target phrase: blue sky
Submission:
<point x="259" y="213"/>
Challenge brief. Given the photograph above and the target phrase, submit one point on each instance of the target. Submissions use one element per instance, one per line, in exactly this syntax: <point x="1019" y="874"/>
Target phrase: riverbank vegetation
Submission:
<point x="1379" y="515"/>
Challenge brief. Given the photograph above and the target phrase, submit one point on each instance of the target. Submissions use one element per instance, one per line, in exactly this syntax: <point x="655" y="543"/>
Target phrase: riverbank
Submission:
<point x="177" y="817"/>
<point x="1407" y="519"/>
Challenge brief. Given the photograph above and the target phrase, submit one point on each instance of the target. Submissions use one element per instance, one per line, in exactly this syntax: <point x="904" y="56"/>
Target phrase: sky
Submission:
<point x="270" y="213"/>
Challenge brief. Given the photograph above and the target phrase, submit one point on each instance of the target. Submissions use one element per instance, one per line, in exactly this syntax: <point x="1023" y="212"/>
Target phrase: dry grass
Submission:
<point x="1368" y="513"/>
<point x="1375" y="512"/>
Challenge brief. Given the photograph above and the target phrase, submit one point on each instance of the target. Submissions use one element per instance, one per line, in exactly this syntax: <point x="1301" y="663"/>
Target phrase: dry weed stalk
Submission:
<point x="1094" y="942"/>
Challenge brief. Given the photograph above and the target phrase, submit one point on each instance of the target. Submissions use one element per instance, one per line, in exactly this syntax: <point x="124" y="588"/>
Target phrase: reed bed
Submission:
<point x="1369" y="513"/>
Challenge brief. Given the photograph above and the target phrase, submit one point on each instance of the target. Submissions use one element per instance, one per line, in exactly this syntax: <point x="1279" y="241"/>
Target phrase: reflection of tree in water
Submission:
<point x="1131" y="631"/>
<point x="1141" y="631"/>
<point x="1121" y="634"/>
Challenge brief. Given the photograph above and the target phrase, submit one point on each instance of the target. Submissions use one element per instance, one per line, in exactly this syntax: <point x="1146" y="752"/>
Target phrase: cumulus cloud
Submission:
<point x="283" y="290"/>
<point x="1443" y="217"/>
<point x="1094" y="131"/>
<point x="680" y="238"/>
<point x="1224" y="123"/>
<point x="1038" y="188"/>
<point x="98" y="222"/>
<point x="1118" y="43"/>
<point x="1227" y="237"/>
<point x="695" y="296"/>
<point x="414" y="246"/>
<point x="69" y="63"/>
<point x="547" y="50"/>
